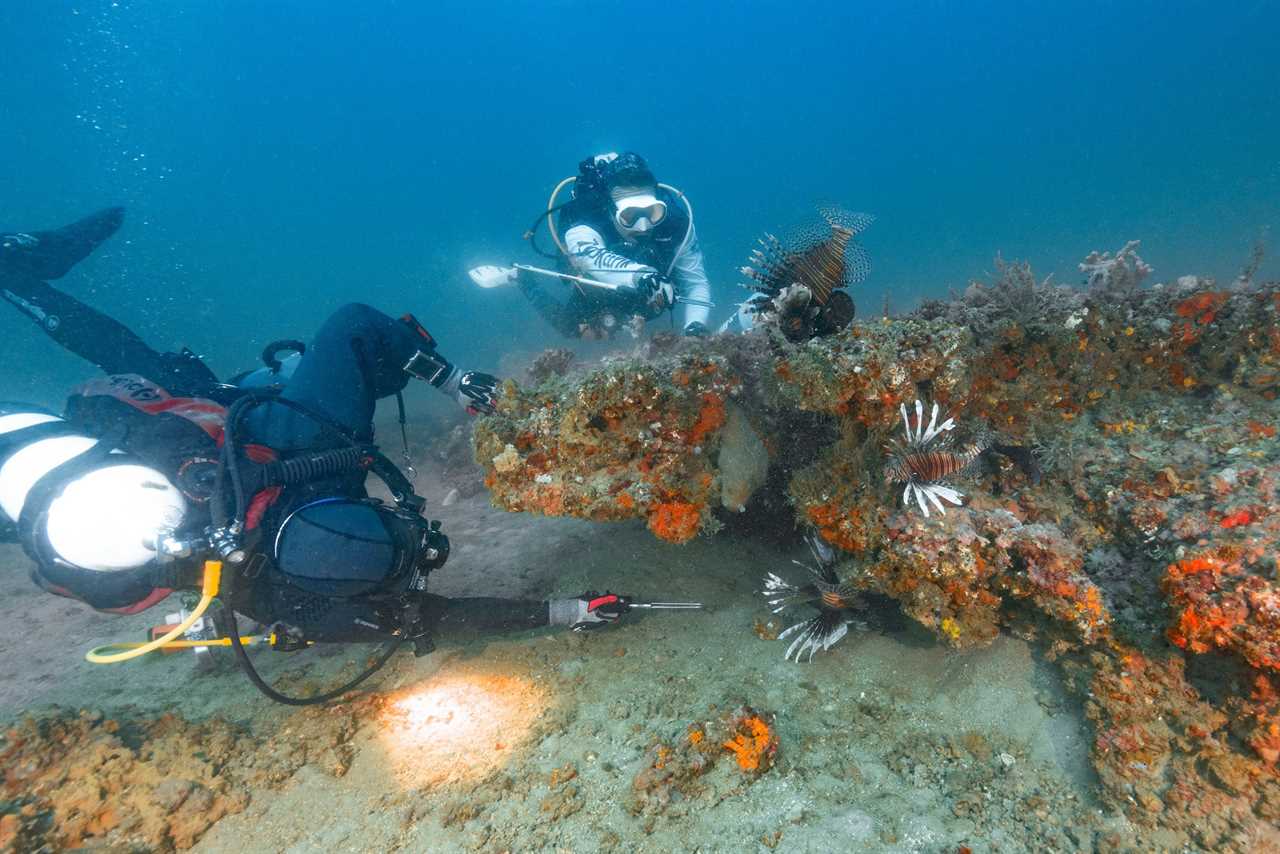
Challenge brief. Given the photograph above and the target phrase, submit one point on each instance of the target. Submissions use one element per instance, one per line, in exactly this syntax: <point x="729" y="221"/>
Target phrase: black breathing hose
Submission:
<point x="532" y="233"/>
<point x="261" y="684"/>
<point x="322" y="464"/>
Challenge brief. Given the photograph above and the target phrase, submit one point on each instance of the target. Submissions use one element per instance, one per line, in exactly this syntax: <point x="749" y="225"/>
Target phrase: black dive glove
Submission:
<point x="591" y="610"/>
<point x="658" y="292"/>
<point x="478" y="392"/>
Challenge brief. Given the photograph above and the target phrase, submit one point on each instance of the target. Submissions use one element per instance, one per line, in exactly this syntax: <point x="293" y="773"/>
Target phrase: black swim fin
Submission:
<point x="50" y="254"/>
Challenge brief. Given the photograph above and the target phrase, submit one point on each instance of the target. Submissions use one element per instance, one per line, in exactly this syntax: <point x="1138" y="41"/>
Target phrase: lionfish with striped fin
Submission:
<point x="800" y="280"/>
<point x="924" y="461"/>
<point x="834" y="600"/>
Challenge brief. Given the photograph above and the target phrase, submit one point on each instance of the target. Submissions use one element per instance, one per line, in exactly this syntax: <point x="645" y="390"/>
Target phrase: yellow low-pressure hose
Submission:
<point x="551" y="211"/>
<point x="212" y="581"/>
<point x="246" y="640"/>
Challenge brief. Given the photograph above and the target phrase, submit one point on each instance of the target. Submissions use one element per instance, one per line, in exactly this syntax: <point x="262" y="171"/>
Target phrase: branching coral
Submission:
<point x="1118" y="274"/>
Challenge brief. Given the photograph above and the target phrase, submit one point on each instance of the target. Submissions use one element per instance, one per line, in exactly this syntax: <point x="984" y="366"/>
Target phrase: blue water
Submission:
<point x="281" y="158"/>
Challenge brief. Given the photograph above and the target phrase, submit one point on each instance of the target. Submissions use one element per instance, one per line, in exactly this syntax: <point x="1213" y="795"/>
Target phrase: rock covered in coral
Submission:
<point x="1136" y="500"/>
<point x="630" y="440"/>
<point x="75" y="780"/>
<point x="90" y="782"/>
<point x="554" y="362"/>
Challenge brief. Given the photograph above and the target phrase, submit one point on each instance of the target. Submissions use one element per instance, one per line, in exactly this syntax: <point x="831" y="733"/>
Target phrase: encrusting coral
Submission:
<point x="633" y="440"/>
<point x="682" y="768"/>
<point x="1147" y="517"/>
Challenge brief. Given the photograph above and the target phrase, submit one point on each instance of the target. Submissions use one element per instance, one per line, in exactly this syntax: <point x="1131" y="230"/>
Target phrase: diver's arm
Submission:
<point x="480" y="616"/>
<point x="591" y="258"/>
<point x="483" y="615"/>
<point x="690" y="276"/>
<point x="476" y="391"/>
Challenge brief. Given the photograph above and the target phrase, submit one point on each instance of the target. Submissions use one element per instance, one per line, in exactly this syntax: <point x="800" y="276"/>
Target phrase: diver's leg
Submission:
<point x="85" y="331"/>
<point x="562" y="318"/>
<point x="357" y="357"/>
<point x="106" y="342"/>
<point x="27" y="258"/>
<point x="50" y="254"/>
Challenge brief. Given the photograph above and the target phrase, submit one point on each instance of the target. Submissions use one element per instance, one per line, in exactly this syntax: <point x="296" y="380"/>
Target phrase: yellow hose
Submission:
<point x="246" y="640"/>
<point x="212" y="580"/>
<point x="551" y="213"/>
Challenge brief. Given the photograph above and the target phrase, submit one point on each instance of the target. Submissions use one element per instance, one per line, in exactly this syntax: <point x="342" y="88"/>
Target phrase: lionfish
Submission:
<point x="800" y="280"/>
<point x="834" y="600"/>
<point x="924" y="461"/>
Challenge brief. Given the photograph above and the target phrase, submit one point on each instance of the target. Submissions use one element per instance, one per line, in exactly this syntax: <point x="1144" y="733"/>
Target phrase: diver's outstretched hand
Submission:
<point x="591" y="610"/>
<point x="492" y="276"/>
<point x="478" y="393"/>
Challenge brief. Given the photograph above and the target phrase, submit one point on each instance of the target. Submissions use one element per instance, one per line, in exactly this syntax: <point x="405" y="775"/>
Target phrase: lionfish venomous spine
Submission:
<point x="923" y="461"/>
<point x="834" y="600"/>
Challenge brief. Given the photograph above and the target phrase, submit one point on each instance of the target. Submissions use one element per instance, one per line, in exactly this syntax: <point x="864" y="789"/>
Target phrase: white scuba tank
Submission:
<point x="103" y="519"/>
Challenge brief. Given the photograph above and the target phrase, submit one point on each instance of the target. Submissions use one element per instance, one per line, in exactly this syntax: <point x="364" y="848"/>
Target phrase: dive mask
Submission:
<point x="639" y="212"/>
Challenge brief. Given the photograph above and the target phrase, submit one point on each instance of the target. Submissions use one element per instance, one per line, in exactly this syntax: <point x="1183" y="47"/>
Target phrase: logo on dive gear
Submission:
<point x="136" y="389"/>
<point x="34" y="311"/>
<point x="26" y="241"/>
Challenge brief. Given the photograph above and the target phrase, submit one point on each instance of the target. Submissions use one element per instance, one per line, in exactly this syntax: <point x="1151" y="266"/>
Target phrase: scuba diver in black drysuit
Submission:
<point x="265" y="474"/>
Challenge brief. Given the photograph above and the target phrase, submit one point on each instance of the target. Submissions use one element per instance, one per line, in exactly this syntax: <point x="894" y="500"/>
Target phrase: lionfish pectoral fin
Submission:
<point x="932" y="495"/>
<point x="818" y="633"/>
<point x="835" y="635"/>
<point x="952" y="496"/>
<point x="919" y="493"/>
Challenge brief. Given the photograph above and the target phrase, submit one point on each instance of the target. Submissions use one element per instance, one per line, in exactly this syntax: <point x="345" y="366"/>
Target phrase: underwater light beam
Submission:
<point x="459" y="727"/>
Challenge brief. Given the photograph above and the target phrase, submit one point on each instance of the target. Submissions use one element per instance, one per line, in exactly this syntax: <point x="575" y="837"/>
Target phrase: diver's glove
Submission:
<point x="478" y="393"/>
<point x="658" y="292"/>
<point x="589" y="611"/>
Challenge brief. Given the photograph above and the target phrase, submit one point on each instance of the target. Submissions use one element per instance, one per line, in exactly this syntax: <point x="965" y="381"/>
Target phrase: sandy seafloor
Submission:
<point x="890" y="742"/>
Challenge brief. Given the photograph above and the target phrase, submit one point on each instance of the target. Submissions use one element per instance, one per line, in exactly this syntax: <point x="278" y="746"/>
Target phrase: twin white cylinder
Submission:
<point x="103" y="519"/>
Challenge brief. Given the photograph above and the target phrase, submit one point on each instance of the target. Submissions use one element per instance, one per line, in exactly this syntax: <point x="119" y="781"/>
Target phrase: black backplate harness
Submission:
<point x="238" y="479"/>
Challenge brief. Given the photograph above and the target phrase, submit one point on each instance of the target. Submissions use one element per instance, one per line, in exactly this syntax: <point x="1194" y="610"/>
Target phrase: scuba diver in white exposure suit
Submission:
<point x="626" y="244"/>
